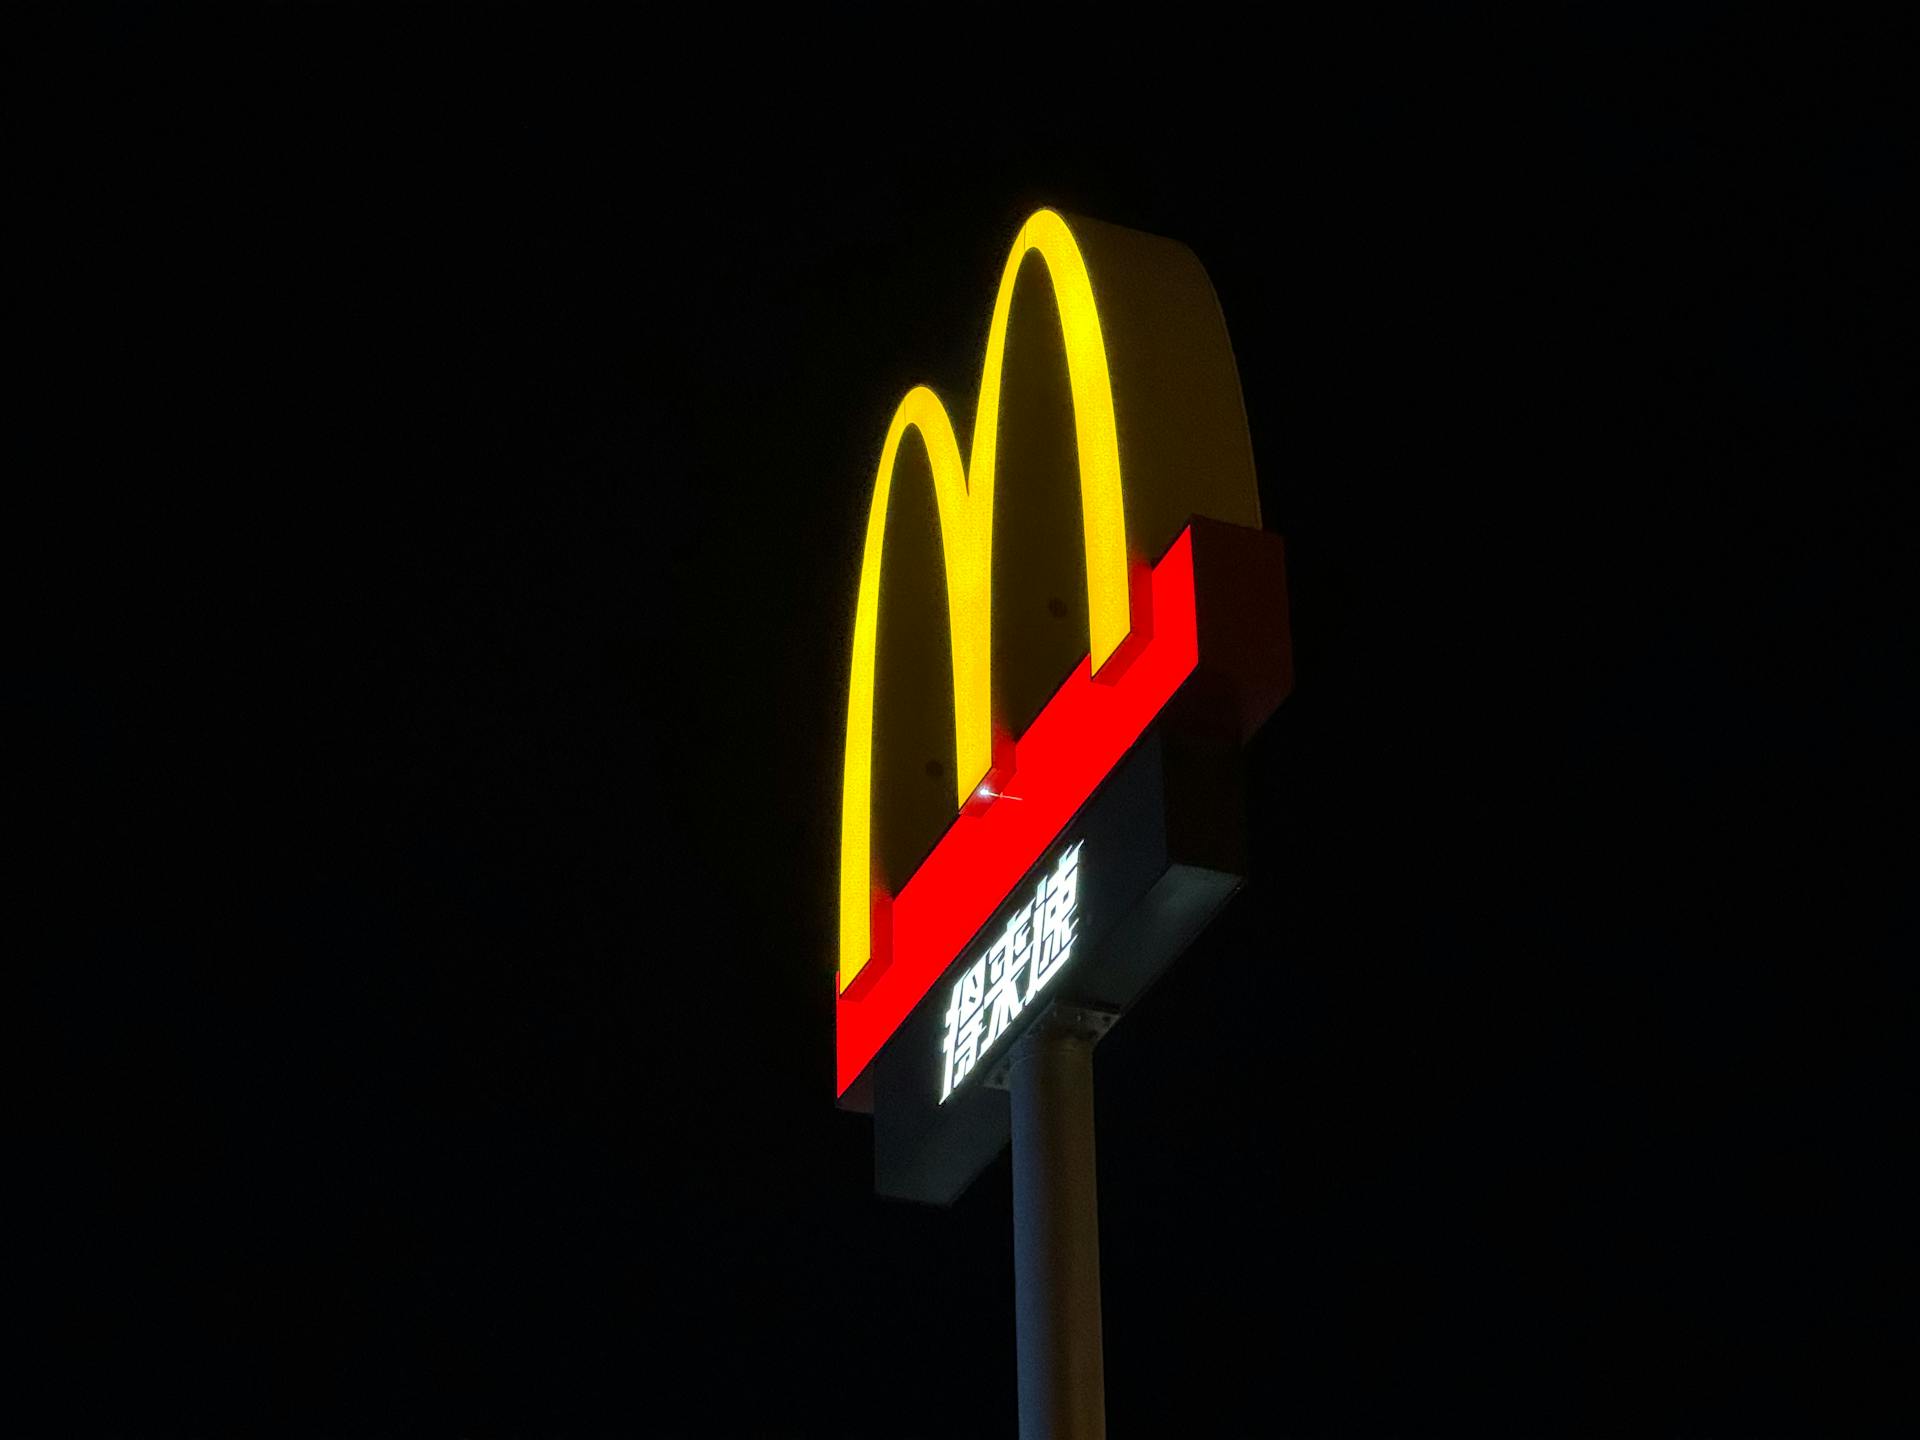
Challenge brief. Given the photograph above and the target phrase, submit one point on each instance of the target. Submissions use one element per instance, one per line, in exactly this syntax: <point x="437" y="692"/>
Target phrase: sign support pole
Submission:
<point x="1056" y="1234"/>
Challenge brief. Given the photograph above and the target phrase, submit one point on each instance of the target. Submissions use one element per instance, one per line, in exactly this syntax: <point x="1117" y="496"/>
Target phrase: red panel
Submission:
<point x="1072" y="745"/>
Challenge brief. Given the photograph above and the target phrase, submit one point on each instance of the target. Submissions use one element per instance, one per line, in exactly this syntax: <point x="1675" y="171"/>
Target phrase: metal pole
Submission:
<point x="1056" y="1235"/>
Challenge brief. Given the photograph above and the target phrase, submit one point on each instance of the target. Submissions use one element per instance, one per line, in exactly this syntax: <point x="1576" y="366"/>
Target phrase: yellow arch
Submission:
<point x="964" y="497"/>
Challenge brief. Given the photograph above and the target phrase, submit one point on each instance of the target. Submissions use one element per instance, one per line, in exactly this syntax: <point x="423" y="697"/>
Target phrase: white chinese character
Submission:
<point x="1057" y="914"/>
<point x="1003" y="972"/>
<point x="1035" y="943"/>
<point x="961" y="1048"/>
<point x="1020" y="937"/>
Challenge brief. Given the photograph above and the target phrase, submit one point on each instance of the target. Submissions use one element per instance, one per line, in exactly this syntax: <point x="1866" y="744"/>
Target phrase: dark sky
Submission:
<point x="449" y="433"/>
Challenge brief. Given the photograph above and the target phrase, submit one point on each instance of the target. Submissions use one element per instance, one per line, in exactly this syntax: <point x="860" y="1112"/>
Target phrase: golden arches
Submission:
<point x="964" y="496"/>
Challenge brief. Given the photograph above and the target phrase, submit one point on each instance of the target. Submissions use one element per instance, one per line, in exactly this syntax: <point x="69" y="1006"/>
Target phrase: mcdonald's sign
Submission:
<point x="1047" y="818"/>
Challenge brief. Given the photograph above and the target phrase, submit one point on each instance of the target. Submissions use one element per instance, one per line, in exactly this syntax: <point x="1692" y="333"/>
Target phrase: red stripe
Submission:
<point x="1072" y="745"/>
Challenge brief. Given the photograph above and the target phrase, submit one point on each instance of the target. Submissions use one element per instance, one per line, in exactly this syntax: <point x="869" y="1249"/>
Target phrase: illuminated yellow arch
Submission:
<point x="964" y="496"/>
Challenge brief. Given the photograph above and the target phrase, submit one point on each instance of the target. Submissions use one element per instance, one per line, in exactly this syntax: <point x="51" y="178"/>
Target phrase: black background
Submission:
<point x="448" y="434"/>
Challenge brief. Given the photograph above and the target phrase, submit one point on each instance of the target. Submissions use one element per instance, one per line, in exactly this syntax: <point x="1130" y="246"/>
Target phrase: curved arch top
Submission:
<point x="1096" y="437"/>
